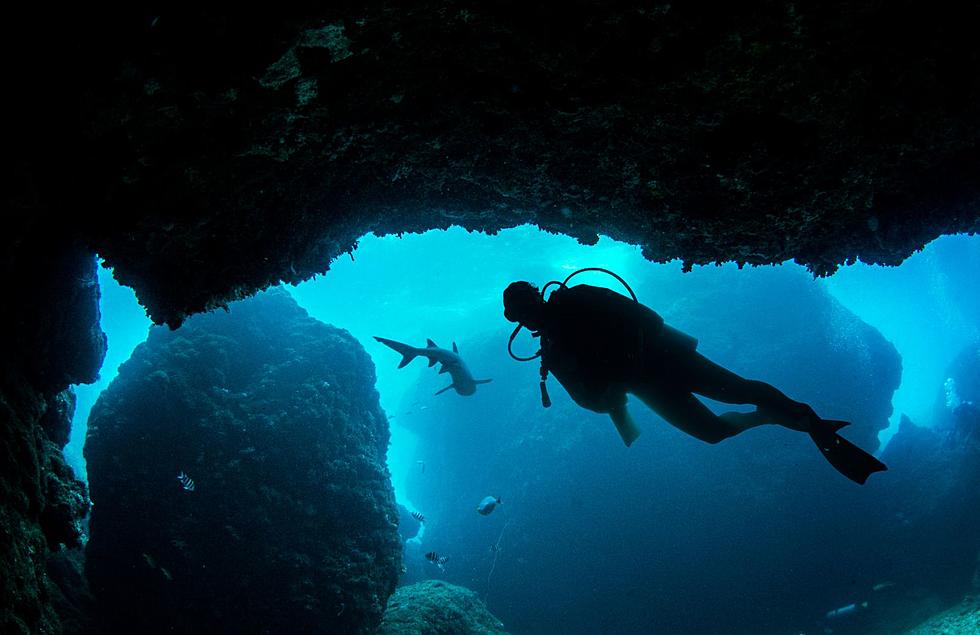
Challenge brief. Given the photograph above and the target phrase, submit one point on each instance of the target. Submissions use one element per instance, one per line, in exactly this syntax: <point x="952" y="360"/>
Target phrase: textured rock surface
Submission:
<point x="755" y="132"/>
<point x="963" y="619"/>
<point x="291" y="525"/>
<point x="42" y="508"/>
<point x="437" y="608"/>
<point x="50" y="338"/>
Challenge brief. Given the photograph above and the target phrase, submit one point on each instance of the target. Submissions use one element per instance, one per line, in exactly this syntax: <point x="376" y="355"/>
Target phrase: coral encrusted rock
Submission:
<point x="283" y="517"/>
<point x="438" y="608"/>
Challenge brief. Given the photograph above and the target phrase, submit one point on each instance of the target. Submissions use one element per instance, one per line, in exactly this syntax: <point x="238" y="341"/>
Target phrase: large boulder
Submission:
<point x="286" y="520"/>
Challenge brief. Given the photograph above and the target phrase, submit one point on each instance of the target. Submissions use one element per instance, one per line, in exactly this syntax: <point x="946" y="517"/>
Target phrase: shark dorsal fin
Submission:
<point x="430" y="344"/>
<point x="455" y="350"/>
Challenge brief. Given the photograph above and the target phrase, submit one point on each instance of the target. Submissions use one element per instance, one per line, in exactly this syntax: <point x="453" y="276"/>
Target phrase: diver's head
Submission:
<point x="523" y="303"/>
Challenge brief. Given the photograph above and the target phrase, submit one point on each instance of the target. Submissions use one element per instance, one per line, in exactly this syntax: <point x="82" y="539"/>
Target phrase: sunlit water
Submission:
<point x="446" y="286"/>
<point x="669" y="549"/>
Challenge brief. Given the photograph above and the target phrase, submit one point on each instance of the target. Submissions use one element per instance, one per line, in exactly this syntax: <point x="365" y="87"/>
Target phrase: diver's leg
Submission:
<point x="712" y="380"/>
<point x="685" y="412"/>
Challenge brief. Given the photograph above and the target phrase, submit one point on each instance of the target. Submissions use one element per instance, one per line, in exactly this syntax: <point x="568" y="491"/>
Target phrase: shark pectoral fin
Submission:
<point x="430" y="343"/>
<point x="455" y="350"/>
<point x="432" y="362"/>
<point x="443" y="369"/>
<point x="482" y="381"/>
<point x="446" y="388"/>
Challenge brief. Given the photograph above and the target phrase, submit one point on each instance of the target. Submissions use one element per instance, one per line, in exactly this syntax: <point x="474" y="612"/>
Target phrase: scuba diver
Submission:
<point x="601" y="345"/>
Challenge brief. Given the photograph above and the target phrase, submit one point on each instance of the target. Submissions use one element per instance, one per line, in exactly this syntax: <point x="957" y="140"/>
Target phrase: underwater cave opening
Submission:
<point x="825" y="340"/>
<point x="446" y="285"/>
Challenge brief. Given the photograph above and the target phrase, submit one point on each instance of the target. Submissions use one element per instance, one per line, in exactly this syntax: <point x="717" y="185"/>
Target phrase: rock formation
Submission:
<point x="437" y="607"/>
<point x="51" y="339"/>
<point x="286" y="519"/>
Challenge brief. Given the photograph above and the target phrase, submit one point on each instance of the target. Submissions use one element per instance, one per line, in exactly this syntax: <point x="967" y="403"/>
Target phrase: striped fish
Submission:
<point x="418" y="516"/>
<point x="437" y="560"/>
<point x="186" y="482"/>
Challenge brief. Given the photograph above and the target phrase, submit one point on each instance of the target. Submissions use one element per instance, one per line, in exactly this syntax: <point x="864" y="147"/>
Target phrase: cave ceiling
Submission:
<point x="205" y="154"/>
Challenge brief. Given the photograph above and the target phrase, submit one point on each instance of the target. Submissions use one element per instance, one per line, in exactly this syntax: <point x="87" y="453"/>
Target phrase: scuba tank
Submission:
<point x="545" y="398"/>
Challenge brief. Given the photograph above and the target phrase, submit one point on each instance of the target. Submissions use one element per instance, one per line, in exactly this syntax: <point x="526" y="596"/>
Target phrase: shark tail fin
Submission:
<point x="408" y="352"/>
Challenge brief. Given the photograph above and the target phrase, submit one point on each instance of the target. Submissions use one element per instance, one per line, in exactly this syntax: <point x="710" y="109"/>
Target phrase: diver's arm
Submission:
<point x="627" y="430"/>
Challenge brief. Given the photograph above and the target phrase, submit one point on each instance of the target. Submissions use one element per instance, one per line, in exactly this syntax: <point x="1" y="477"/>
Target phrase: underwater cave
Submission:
<point x="210" y="158"/>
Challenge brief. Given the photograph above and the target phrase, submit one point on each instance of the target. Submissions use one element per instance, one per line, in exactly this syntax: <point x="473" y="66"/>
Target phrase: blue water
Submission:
<point x="606" y="565"/>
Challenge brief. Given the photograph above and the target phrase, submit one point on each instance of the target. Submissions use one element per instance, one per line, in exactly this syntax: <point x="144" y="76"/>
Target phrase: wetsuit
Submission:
<point x="601" y="345"/>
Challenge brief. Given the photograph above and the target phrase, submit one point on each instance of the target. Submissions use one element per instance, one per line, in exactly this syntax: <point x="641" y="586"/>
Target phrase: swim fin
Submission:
<point x="847" y="458"/>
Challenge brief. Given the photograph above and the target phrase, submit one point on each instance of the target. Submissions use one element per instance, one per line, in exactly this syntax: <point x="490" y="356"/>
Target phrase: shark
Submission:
<point x="452" y="363"/>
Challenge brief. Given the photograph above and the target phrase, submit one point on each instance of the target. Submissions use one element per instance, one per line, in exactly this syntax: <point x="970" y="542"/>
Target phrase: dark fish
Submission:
<point x="186" y="482"/>
<point x="418" y="516"/>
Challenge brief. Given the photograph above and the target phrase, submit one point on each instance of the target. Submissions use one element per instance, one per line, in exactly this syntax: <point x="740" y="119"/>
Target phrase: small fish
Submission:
<point x="844" y="611"/>
<point x="421" y="465"/>
<point x="418" y="516"/>
<point x="488" y="504"/>
<point x="186" y="482"/>
<point x="437" y="560"/>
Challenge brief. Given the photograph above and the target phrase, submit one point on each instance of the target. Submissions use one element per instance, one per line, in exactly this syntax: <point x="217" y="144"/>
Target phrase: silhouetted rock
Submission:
<point x="290" y="523"/>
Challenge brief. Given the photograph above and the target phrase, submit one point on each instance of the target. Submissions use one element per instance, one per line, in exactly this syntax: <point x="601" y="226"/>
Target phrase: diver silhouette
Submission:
<point x="601" y="345"/>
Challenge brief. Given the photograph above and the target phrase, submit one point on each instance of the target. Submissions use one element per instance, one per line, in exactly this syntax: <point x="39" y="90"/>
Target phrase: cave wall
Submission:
<point x="51" y="338"/>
